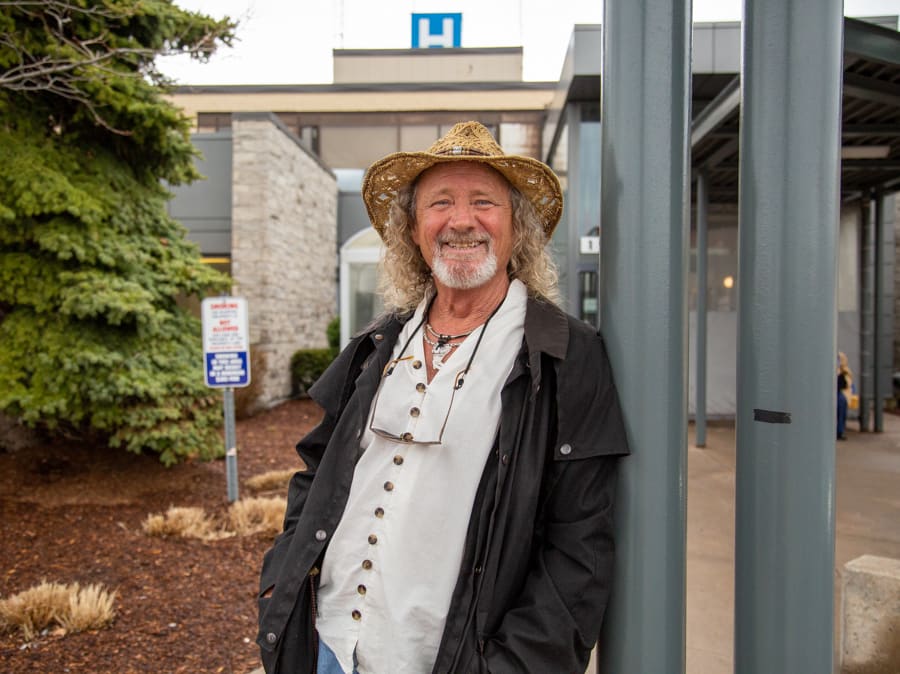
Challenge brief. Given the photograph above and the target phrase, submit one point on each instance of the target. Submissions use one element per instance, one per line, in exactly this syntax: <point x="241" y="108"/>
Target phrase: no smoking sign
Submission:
<point x="226" y="342"/>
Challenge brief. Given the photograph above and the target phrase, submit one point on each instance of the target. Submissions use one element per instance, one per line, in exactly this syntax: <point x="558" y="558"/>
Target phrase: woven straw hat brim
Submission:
<point x="535" y="180"/>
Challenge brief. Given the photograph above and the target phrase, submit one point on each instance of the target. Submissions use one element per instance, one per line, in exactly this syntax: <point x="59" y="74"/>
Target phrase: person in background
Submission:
<point x="456" y="514"/>
<point x="844" y="394"/>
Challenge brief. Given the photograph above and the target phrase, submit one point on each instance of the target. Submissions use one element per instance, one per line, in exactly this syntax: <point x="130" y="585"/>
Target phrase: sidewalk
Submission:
<point x="867" y="517"/>
<point x="867" y="521"/>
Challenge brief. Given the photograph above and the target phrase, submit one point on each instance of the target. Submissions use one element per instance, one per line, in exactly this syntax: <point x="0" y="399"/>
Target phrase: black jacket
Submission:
<point x="537" y="564"/>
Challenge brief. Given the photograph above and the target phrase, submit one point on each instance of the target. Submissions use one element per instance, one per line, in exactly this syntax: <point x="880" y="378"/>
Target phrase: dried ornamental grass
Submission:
<point x="256" y="515"/>
<point x="73" y="608"/>
<point x="271" y="480"/>
<point x="89" y="608"/>
<point x="185" y="522"/>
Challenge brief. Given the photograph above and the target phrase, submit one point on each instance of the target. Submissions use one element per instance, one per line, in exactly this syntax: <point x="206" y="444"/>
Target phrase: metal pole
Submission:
<point x="884" y="304"/>
<point x="230" y="446"/>
<point x="865" y="389"/>
<point x="573" y="207"/>
<point x="700" y="382"/>
<point x="645" y="185"/>
<point x="789" y="206"/>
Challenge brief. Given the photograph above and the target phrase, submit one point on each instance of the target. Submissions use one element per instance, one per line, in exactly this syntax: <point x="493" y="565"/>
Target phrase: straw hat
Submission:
<point x="467" y="141"/>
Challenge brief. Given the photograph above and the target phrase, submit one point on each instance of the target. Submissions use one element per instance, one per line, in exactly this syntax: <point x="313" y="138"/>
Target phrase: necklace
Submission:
<point x="447" y="338"/>
<point x="461" y="377"/>
<point x="442" y="347"/>
<point x="439" y="349"/>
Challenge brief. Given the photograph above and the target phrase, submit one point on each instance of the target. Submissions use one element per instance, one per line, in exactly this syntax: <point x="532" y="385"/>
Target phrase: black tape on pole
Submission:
<point x="771" y="416"/>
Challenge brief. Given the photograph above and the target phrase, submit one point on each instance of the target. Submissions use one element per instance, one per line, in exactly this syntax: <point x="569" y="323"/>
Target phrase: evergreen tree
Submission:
<point x="92" y="341"/>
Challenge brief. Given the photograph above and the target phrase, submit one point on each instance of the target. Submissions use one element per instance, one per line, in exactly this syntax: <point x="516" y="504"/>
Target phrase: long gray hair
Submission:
<point x="404" y="278"/>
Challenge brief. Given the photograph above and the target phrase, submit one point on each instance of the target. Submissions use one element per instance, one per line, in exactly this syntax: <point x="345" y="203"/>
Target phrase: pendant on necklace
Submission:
<point x="439" y="351"/>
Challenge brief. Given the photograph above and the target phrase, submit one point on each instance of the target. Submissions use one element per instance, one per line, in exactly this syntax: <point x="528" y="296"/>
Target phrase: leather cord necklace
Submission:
<point x="443" y="345"/>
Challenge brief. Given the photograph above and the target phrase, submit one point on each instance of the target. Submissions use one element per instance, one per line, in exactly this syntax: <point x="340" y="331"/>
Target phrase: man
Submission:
<point x="456" y="512"/>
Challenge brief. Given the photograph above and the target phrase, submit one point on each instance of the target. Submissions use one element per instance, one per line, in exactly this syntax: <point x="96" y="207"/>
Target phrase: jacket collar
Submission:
<point x="546" y="329"/>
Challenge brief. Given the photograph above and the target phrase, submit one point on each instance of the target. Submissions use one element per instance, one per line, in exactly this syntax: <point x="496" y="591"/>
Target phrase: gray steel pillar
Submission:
<point x="700" y="341"/>
<point x="884" y="305"/>
<point x="865" y="385"/>
<point x="789" y="215"/>
<point x="574" y="217"/>
<point x="643" y="303"/>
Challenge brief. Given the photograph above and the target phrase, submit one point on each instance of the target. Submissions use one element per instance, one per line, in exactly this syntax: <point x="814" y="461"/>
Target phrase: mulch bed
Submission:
<point x="73" y="514"/>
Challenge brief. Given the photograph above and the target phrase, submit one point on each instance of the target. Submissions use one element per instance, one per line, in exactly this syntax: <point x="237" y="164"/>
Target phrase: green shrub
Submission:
<point x="93" y="343"/>
<point x="307" y="365"/>
<point x="333" y="332"/>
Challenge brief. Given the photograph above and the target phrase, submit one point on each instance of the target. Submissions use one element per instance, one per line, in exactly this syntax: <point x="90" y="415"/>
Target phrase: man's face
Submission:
<point x="464" y="224"/>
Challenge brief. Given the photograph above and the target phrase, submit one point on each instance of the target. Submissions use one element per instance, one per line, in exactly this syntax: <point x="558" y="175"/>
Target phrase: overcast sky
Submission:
<point x="290" y="41"/>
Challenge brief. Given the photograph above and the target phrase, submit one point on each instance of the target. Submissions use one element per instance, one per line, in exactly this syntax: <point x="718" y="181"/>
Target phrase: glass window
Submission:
<point x="210" y="122"/>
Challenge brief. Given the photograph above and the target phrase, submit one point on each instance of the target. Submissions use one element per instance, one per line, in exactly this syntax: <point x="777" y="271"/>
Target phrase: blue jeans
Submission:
<point x="328" y="662"/>
<point x="841" y="413"/>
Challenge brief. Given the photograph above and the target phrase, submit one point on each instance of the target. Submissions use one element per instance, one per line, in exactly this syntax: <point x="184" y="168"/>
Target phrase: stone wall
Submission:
<point x="283" y="248"/>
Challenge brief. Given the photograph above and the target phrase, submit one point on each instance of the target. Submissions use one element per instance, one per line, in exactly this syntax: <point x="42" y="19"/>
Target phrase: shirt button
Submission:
<point x="367" y="564"/>
<point x="389" y="486"/>
<point x="398" y="460"/>
<point x="407" y="437"/>
<point x="420" y="387"/>
<point x="356" y="615"/>
<point x="379" y="512"/>
<point x="321" y="535"/>
<point x="271" y="637"/>
<point x="414" y="412"/>
<point x="416" y="364"/>
<point x="373" y="539"/>
<point x="566" y="449"/>
<point x="361" y="589"/>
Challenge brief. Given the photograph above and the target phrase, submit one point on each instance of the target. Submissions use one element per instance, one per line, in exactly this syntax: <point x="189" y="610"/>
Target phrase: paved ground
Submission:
<point x="867" y="522"/>
<point x="867" y="506"/>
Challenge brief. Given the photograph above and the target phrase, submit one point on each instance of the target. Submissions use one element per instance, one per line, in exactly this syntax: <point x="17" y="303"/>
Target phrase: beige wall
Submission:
<point x="428" y="65"/>
<point x="238" y="100"/>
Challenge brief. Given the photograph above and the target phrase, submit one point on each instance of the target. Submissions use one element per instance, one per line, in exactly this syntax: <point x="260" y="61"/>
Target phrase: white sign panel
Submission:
<point x="226" y="342"/>
<point x="590" y="245"/>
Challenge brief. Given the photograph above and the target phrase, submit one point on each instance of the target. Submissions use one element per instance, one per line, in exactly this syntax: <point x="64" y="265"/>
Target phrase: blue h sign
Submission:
<point x="436" y="30"/>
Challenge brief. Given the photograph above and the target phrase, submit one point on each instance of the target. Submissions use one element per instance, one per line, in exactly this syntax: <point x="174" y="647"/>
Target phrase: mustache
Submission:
<point x="461" y="239"/>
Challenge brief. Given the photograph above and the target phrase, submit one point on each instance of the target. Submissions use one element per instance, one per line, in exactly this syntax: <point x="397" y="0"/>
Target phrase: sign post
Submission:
<point x="226" y="358"/>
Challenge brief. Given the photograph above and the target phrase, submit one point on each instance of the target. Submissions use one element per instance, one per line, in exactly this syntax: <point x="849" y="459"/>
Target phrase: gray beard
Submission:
<point x="463" y="277"/>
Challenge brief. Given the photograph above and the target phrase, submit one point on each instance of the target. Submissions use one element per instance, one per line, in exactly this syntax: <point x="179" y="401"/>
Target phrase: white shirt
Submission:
<point x="392" y="564"/>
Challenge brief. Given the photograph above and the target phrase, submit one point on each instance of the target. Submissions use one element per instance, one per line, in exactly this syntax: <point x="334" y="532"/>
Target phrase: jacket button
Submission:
<point x="389" y="486"/>
<point x="373" y="539"/>
<point x="356" y="615"/>
<point x="398" y="460"/>
<point x="566" y="449"/>
<point x="367" y="564"/>
<point x="271" y="637"/>
<point x="414" y="412"/>
<point x="361" y="589"/>
<point x="416" y="364"/>
<point x="379" y="512"/>
<point x="504" y="459"/>
<point x="378" y="336"/>
<point x="321" y="535"/>
<point x="420" y="387"/>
